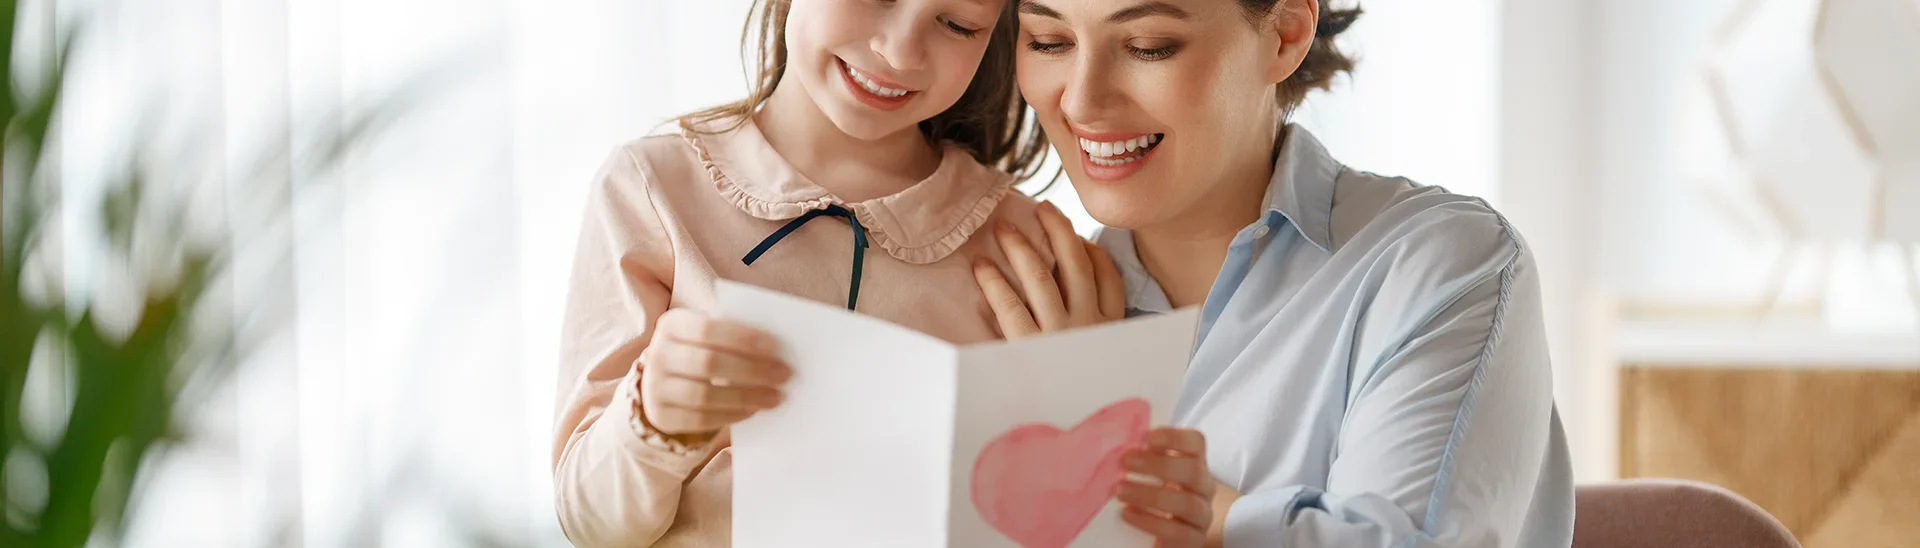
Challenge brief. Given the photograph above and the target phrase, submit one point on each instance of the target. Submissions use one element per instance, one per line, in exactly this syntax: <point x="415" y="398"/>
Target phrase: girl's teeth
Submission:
<point x="871" y="87"/>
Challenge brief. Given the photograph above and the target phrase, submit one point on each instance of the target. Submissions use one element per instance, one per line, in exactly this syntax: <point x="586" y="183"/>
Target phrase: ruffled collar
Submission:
<point x="919" y="225"/>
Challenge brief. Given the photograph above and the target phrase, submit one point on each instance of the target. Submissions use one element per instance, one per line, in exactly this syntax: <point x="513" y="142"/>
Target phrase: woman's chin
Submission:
<point x="1120" y="209"/>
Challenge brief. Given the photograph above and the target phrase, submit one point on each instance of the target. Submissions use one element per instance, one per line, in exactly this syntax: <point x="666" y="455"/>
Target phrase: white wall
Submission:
<point x="1424" y="101"/>
<point x="1546" y="156"/>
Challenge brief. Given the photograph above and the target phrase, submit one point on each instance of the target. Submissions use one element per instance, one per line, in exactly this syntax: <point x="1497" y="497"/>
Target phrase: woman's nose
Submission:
<point x="1090" y="92"/>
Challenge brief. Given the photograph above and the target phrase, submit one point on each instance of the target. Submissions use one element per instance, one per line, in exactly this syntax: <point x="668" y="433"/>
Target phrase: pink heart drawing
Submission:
<point x="1041" y="486"/>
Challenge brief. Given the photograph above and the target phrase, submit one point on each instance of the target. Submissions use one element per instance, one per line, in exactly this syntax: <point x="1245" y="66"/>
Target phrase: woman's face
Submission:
<point x="1152" y="103"/>
<point x="879" y="67"/>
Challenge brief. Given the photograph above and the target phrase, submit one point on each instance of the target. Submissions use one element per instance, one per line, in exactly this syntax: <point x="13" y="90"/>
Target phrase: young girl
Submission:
<point x="879" y="139"/>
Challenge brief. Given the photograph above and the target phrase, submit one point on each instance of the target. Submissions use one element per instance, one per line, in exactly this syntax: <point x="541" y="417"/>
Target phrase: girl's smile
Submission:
<point x="872" y="90"/>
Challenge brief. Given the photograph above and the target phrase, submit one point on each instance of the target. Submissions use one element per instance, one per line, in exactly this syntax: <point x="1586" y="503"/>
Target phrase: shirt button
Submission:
<point x="1260" y="232"/>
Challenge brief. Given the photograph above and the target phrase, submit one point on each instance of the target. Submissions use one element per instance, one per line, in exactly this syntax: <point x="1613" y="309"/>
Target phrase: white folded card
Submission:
<point x="892" y="438"/>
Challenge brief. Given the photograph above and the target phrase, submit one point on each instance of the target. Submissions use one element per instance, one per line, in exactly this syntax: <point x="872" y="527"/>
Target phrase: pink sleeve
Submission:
<point x="616" y="482"/>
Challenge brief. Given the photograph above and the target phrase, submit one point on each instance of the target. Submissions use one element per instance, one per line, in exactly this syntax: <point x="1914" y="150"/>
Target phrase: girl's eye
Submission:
<point x="1153" y="54"/>
<point x="1047" y="47"/>
<point x="957" y="29"/>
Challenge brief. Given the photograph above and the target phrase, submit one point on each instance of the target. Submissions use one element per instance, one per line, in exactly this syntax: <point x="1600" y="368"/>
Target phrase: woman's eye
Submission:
<point x="1047" y="47"/>
<point x="963" y="31"/>
<point x="1153" y="54"/>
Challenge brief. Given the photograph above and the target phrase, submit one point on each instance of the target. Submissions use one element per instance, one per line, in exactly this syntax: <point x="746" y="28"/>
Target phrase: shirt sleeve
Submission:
<point x="1450" y="434"/>
<point x="616" y="481"/>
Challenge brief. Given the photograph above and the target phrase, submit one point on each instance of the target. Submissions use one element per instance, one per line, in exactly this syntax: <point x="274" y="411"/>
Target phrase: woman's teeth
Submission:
<point x="871" y="87"/>
<point x="1119" y="152"/>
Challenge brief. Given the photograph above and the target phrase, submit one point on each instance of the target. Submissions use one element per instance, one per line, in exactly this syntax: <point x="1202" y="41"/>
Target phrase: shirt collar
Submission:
<point x="1304" y="178"/>
<point x="919" y="225"/>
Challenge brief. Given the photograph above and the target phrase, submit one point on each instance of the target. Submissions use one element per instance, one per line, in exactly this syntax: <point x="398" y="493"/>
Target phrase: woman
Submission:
<point x="1370" y="367"/>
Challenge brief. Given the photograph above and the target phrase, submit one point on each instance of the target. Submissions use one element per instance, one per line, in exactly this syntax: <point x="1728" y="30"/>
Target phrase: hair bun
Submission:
<point x="1333" y="22"/>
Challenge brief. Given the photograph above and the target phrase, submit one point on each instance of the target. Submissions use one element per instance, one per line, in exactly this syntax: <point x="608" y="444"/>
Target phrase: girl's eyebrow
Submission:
<point x="1148" y="9"/>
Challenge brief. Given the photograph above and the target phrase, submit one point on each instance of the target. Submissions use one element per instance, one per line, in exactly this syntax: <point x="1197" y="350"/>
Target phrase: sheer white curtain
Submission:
<point x="408" y="400"/>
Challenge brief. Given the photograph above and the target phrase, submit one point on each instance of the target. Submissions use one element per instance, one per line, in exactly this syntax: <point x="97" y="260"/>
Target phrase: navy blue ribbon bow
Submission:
<point x="859" y="243"/>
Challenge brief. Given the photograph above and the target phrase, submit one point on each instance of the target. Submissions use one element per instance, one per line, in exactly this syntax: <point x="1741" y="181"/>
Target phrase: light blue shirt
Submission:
<point x="1371" y="368"/>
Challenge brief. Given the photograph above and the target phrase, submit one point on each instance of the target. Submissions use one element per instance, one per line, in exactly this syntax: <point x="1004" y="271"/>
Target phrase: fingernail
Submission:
<point x="1003" y="227"/>
<point x="1047" y="206"/>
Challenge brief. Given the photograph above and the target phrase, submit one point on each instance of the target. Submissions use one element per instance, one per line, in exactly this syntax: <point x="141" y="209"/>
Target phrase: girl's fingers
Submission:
<point x="1169" y="532"/>
<point x="1186" y="506"/>
<point x="714" y="366"/>
<point x="1076" y="270"/>
<point x="1042" y="290"/>
<point x="1113" y="289"/>
<point x="1188" y="472"/>
<point x="693" y="395"/>
<point x="691" y="327"/>
<point x="678" y="421"/>
<point x="1009" y="310"/>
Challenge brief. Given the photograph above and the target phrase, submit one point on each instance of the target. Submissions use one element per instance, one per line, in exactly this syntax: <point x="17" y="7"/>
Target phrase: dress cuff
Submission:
<point x="651" y="446"/>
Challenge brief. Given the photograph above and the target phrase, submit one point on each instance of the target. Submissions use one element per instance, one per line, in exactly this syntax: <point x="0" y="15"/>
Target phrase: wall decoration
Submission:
<point x="1825" y="131"/>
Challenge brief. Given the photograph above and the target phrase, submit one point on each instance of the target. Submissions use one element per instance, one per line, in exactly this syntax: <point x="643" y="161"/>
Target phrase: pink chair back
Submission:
<point x="1661" y="513"/>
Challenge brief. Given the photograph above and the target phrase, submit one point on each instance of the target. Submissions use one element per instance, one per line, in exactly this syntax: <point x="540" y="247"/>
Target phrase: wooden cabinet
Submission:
<point x="1833" y="451"/>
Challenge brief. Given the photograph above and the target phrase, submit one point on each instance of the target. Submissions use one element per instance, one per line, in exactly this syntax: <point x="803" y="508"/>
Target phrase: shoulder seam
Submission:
<point x="1443" y="471"/>
<point x="653" y="203"/>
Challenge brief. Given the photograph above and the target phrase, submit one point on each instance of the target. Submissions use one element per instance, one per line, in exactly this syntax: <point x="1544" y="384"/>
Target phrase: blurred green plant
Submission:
<point x="124" y="373"/>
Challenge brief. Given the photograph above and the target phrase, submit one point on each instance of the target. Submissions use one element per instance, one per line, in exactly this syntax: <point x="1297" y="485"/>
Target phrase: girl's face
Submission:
<point x="877" y="67"/>
<point x="1152" y="104"/>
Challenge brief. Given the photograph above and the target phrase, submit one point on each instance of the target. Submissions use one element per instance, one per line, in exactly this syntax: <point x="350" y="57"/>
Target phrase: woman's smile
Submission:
<point x="1112" y="156"/>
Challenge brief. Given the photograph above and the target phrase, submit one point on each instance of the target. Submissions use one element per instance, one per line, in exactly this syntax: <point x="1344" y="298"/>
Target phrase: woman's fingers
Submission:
<point x="1177" y="456"/>
<point x="1190" y="508"/>
<point x="1076" y="269"/>
<point x="1042" y="290"/>
<point x="1113" y="288"/>
<point x="1179" y="440"/>
<point x="1009" y="310"/>
<point x="1168" y="532"/>
<point x="1188" y="472"/>
<point x="1179" y="510"/>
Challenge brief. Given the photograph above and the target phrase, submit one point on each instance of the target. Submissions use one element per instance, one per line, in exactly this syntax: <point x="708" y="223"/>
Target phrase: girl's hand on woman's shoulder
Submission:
<point x="1082" y="289"/>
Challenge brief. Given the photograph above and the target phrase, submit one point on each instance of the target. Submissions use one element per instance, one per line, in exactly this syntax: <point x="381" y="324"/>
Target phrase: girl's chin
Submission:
<point x="866" y="127"/>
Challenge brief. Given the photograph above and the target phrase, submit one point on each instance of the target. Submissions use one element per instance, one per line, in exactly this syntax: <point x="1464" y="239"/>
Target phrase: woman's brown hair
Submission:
<point x="990" y="120"/>
<point x="1324" y="59"/>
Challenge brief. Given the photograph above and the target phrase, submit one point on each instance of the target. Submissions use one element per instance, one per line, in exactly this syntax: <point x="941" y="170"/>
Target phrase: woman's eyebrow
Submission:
<point x="1031" y="7"/>
<point x="1149" y="9"/>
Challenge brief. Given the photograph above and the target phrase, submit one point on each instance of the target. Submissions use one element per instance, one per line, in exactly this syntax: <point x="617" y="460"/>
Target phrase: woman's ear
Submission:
<point x="1294" y="22"/>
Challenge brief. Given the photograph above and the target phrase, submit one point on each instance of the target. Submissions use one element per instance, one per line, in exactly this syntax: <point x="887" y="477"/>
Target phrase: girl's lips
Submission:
<point x="869" y="98"/>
